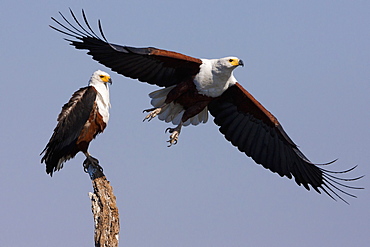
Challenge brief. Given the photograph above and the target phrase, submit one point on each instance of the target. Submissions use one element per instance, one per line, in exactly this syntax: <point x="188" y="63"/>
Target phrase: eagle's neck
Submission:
<point x="213" y="79"/>
<point x="102" y="100"/>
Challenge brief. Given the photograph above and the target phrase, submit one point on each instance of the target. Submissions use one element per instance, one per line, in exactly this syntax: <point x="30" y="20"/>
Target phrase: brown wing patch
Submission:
<point x="247" y="103"/>
<point x="163" y="54"/>
<point x="93" y="126"/>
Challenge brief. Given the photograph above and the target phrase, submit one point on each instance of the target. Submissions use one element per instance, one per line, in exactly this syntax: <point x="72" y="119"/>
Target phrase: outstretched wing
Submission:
<point x="151" y="65"/>
<point x="257" y="133"/>
<point x="71" y="120"/>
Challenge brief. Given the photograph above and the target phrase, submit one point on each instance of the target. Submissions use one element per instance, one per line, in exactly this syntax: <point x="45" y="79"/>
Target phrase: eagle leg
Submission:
<point x="175" y="132"/>
<point x="153" y="113"/>
<point x="91" y="161"/>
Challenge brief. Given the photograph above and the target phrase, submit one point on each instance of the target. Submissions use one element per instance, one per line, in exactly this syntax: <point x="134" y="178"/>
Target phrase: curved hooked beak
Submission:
<point x="109" y="81"/>
<point x="241" y="63"/>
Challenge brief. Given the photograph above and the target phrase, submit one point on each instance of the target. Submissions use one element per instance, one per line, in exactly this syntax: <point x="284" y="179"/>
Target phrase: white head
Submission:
<point x="230" y="62"/>
<point x="99" y="81"/>
<point x="100" y="77"/>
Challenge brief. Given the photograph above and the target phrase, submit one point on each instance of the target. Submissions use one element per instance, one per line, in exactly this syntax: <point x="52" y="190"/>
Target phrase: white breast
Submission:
<point x="213" y="80"/>
<point x="102" y="100"/>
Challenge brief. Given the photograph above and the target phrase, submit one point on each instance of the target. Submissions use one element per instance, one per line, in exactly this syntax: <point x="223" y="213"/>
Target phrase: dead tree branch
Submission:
<point x="104" y="208"/>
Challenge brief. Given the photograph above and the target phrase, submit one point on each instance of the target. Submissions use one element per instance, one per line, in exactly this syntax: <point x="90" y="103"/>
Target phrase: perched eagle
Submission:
<point x="192" y="87"/>
<point x="81" y="119"/>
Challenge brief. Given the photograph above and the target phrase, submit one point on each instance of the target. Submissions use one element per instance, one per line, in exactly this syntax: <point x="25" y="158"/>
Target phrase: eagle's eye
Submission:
<point x="231" y="60"/>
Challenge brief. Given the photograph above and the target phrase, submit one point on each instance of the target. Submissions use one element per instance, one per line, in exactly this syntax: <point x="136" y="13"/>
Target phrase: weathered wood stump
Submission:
<point x="104" y="208"/>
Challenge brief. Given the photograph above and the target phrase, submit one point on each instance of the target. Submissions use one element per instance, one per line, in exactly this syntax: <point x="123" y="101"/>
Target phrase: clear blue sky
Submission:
<point x="306" y="61"/>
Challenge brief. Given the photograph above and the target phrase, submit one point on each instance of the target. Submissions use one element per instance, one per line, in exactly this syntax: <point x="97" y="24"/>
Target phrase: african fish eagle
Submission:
<point x="81" y="119"/>
<point x="192" y="87"/>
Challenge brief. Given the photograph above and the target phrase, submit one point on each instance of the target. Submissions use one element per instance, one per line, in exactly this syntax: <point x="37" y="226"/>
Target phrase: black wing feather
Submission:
<point x="71" y="120"/>
<point x="149" y="64"/>
<point x="257" y="133"/>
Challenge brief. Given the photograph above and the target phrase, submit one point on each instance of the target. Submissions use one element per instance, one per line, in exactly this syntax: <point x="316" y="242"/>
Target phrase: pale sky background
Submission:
<point x="306" y="61"/>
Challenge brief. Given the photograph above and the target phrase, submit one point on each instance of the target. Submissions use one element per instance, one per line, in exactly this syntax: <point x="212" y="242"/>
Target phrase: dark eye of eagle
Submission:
<point x="102" y="76"/>
<point x="231" y="60"/>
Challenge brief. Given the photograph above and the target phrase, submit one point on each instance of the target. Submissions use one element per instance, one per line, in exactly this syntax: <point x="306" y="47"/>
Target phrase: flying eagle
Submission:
<point x="81" y="119"/>
<point x="192" y="87"/>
